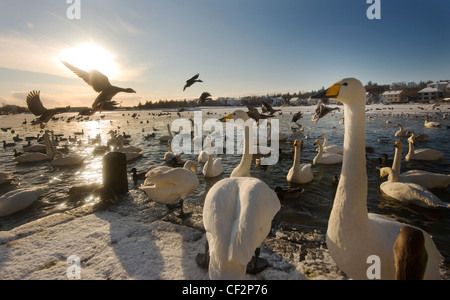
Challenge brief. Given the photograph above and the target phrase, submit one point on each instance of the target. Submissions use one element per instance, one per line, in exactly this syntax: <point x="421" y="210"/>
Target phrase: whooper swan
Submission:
<point x="354" y="235"/>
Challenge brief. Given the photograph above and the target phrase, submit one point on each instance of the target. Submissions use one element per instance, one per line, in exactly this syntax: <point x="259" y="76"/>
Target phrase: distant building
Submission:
<point x="396" y="96"/>
<point x="433" y="91"/>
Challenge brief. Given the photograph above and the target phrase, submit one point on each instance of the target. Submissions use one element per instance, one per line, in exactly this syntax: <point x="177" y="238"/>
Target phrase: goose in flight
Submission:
<point x="101" y="85"/>
<point x="267" y="108"/>
<point x="321" y="111"/>
<point x="191" y="81"/>
<point x="37" y="108"/>
<point x="203" y="98"/>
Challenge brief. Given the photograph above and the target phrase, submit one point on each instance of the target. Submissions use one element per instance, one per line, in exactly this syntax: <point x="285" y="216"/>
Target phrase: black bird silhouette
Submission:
<point x="267" y="108"/>
<point x="191" y="81"/>
<point x="255" y="114"/>
<point x="321" y="111"/>
<point x="203" y="98"/>
<point x="101" y="85"/>
<point x="44" y="115"/>
<point x="297" y="117"/>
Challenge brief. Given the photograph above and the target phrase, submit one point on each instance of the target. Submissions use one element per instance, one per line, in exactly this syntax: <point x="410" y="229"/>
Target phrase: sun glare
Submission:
<point x="89" y="56"/>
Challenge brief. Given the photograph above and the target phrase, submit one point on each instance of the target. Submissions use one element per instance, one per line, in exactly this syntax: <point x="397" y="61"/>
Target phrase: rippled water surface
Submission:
<point x="306" y="214"/>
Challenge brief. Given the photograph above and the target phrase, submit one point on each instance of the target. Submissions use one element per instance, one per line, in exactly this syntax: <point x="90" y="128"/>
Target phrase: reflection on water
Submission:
<point x="311" y="212"/>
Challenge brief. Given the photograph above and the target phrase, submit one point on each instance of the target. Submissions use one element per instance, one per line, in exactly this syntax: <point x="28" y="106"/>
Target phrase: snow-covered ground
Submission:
<point x="123" y="243"/>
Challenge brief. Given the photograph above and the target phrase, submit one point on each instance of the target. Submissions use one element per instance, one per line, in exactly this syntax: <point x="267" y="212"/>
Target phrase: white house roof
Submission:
<point x="429" y="90"/>
<point x="398" y="92"/>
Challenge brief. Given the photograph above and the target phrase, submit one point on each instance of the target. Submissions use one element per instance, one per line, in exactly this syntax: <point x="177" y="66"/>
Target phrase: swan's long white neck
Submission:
<point x="210" y="162"/>
<point x="396" y="164"/>
<point x="320" y="153"/>
<point x="350" y="204"/>
<point x="243" y="170"/>
<point x="297" y="157"/>
<point x="325" y="140"/>
<point x="411" y="151"/>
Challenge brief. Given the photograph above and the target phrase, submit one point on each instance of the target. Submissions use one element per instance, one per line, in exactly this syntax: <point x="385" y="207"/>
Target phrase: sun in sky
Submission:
<point x="89" y="57"/>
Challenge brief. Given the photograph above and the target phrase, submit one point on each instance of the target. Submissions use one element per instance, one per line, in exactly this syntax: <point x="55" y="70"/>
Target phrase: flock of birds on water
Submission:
<point x="238" y="211"/>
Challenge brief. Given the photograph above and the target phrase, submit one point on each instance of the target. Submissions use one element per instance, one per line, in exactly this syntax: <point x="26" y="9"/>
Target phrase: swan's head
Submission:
<point x="236" y="115"/>
<point x="318" y="143"/>
<point x="130" y="91"/>
<point x="347" y="91"/>
<point x="191" y="166"/>
<point x="411" y="139"/>
<point x="398" y="145"/>
<point x="298" y="143"/>
<point x="384" y="172"/>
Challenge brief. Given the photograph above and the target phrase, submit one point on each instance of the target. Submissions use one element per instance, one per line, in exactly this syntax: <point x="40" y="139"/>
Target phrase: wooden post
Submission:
<point x="115" y="172"/>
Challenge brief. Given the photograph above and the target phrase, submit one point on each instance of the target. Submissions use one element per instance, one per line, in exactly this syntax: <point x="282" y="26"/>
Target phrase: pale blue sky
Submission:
<point x="239" y="47"/>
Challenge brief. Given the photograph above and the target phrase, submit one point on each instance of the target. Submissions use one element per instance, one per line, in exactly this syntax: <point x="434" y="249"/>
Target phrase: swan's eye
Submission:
<point x="345" y="84"/>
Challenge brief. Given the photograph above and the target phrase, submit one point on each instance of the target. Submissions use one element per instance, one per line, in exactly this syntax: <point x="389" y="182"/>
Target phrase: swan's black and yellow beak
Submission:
<point x="226" y="118"/>
<point x="331" y="92"/>
<point x="398" y="144"/>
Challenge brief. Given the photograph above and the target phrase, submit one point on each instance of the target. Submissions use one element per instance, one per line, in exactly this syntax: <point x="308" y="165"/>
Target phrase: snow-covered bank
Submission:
<point x="120" y="243"/>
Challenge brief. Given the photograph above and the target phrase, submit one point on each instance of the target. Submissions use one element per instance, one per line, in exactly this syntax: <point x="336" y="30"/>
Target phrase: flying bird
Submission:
<point x="203" y="98"/>
<point x="297" y="117"/>
<point x="191" y="81"/>
<point x="101" y="85"/>
<point x="321" y="111"/>
<point x="267" y="108"/>
<point x="37" y="108"/>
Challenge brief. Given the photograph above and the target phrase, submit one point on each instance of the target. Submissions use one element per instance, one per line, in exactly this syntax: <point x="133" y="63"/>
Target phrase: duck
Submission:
<point x="299" y="173"/>
<point x="44" y="115"/>
<point x="288" y="194"/>
<point x="8" y="145"/>
<point x="169" y="185"/>
<point x="353" y="234"/>
<point x="410" y="254"/>
<point x="191" y="81"/>
<point x="237" y="217"/>
<point x="428" y="180"/>
<point x="18" y="200"/>
<point x="138" y="175"/>
<point x="100" y="83"/>
<point x="422" y="154"/>
<point x="431" y="124"/>
<point x="409" y="192"/>
<point x="326" y="158"/>
<point x="212" y="167"/>
<point x="330" y="148"/>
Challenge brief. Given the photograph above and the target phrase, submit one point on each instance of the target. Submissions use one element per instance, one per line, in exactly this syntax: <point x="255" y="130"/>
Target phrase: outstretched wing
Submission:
<point x="194" y="78"/>
<point x="94" y="78"/>
<point x="35" y="104"/>
<point x="266" y="107"/>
